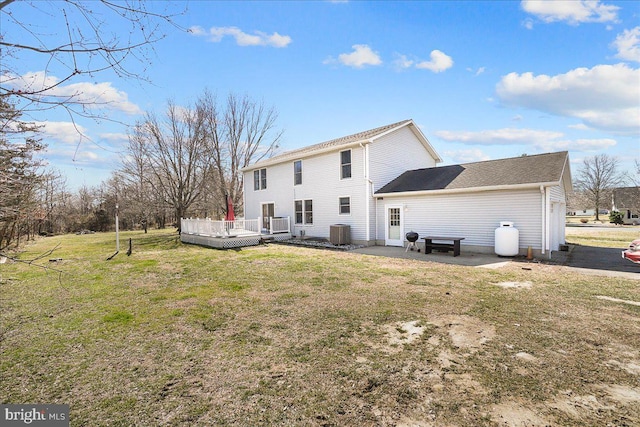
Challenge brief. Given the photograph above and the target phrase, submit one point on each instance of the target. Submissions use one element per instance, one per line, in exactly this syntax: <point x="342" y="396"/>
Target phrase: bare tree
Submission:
<point x="598" y="176"/>
<point x="20" y="174"/>
<point x="81" y="40"/>
<point x="242" y="132"/>
<point x="53" y="198"/>
<point x="137" y="176"/>
<point x="178" y="155"/>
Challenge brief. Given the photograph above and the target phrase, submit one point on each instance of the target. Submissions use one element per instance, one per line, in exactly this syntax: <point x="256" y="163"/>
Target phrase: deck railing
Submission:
<point x="208" y="227"/>
<point x="279" y="225"/>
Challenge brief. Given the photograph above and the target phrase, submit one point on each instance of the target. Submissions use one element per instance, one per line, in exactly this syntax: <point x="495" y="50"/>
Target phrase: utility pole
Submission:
<point x="117" y="231"/>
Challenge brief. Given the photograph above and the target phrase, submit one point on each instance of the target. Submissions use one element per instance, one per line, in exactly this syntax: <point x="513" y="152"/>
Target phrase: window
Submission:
<point x="297" y="172"/>
<point x="259" y="179"/>
<point x="345" y="164"/>
<point x="308" y="212"/>
<point x="304" y="211"/>
<point x="263" y="179"/>
<point x="299" y="213"/>
<point x="345" y="205"/>
<point x="256" y="180"/>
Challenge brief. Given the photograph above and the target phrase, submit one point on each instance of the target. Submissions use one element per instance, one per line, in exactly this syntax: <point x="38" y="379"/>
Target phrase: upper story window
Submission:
<point x="345" y="164"/>
<point x="259" y="179"/>
<point x="297" y="172"/>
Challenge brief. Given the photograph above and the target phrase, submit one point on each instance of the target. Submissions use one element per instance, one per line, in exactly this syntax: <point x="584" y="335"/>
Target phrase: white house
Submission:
<point x="384" y="182"/>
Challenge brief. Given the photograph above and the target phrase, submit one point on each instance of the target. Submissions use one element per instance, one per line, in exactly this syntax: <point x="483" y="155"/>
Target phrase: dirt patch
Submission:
<point x="623" y="301"/>
<point x="514" y="414"/>
<point x="621" y="393"/>
<point x="401" y="333"/>
<point x="526" y="357"/>
<point x="515" y="285"/>
<point x="631" y="367"/>
<point x="466" y="332"/>
<point x="578" y="406"/>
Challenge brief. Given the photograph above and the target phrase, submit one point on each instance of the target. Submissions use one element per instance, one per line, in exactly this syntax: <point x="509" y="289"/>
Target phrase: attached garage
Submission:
<point x="471" y="200"/>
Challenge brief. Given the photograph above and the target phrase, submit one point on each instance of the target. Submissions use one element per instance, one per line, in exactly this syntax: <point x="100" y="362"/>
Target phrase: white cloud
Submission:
<point x="197" y="30"/>
<point x="542" y="140"/>
<point x="579" y="126"/>
<point x="572" y="11"/>
<point x="528" y="24"/>
<point x="65" y="132"/>
<point x="577" y="144"/>
<point x="115" y="137"/>
<point x="361" y="56"/>
<point x="476" y="72"/>
<point x="439" y="62"/>
<point x="91" y="95"/>
<point x="505" y="136"/>
<point x="259" y="38"/>
<point x="628" y="45"/>
<point x="402" y="62"/>
<point x="603" y="97"/>
<point x="467" y="156"/>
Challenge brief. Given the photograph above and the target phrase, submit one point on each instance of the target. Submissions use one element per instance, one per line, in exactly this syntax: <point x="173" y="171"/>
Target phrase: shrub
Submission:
<point x="616" y="218"/>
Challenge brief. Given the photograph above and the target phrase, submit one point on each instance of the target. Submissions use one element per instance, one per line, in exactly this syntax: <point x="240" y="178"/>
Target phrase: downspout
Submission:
<point x="368" y="185"/>
<point x="548" y="219"/>
<point x="542" y="213"/>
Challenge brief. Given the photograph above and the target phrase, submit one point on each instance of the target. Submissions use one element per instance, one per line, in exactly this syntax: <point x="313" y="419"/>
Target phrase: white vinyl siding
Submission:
<point x="320" y="185"/>
<point x="322" y="182"/>
<point x="394" y="154"/>
<point x="474" y="216"/>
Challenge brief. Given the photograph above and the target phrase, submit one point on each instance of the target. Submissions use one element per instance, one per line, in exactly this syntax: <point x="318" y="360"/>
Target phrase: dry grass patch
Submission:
<point x="183" y="335"/>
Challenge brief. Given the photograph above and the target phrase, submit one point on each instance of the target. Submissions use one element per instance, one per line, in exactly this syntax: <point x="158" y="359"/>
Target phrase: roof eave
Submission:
<point x="300" y="156"/>
<point x="531" y="185"/>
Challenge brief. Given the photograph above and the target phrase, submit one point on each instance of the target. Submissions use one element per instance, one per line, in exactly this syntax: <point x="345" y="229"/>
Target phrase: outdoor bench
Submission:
<point x="442" y="244"/>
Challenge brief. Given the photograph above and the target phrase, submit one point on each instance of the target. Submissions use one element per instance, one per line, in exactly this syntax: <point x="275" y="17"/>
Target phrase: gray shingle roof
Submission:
<point x="626" y="197"/>
<point x="345" y="140"/>
<point x="534" y="169"/>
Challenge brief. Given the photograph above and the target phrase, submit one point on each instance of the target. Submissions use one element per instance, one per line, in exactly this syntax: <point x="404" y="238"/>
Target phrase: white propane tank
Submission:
<point x="507" y="239"/>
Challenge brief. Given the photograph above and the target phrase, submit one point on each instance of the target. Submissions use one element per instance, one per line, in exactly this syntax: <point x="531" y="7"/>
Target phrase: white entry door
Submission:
<point x="393" y="229"/>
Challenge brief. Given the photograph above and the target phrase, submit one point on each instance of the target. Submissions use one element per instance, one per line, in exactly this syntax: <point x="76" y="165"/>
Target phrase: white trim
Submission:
<point x="367" y="193"/>
<point x="296" y="154"/>
<point x="350" y="150"/>
<point x="468" y="189"/>
<point x="339" y="205"/>
<point x="301" y="172"/>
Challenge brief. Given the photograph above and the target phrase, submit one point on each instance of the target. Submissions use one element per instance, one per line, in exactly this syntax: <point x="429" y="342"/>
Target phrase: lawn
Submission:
<point x="604" y="236"/>
<point x="179" y="335"/>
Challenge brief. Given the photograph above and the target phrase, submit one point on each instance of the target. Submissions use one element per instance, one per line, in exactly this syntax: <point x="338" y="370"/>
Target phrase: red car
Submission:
<point x="633" y="253"/>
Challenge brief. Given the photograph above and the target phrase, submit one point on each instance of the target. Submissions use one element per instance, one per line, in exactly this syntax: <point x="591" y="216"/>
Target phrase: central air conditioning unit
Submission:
<point x="340" y="234"/>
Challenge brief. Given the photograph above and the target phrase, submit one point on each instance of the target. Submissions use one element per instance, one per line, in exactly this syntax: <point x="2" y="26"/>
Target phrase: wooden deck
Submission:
<point x="231" y="242"/>
<point x="233" y="234"/>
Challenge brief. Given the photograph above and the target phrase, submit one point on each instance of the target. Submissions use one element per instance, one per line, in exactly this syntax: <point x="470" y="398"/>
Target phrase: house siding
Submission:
<point x="474" y="216"/>
<point x="395" y="153"/>
<point x="390" y="156"/>
<point x="321" y="183"/>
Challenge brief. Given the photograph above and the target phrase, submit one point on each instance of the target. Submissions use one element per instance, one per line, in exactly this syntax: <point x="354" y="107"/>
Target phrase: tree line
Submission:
<point x="183" y="162"/>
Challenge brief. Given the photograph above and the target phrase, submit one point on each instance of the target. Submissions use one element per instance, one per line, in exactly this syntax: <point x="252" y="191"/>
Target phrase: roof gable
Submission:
<point x="533" y="170"/>
<point x="346" y="141"/>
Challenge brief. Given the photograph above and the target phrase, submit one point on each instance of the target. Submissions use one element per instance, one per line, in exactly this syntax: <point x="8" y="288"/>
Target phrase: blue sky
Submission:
<point x="483" y="80"/>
